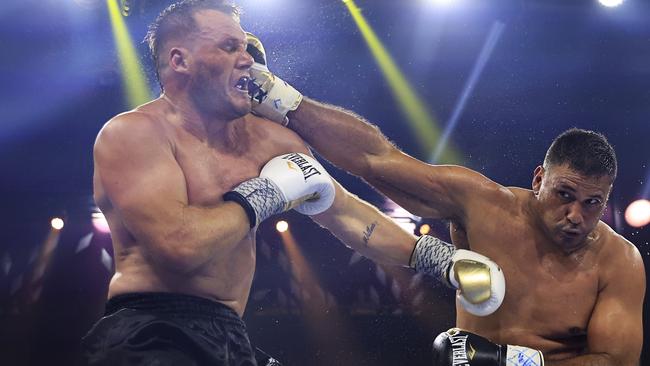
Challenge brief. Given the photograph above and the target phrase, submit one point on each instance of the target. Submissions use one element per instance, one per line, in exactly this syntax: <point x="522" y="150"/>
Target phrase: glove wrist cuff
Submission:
<point x="520" y="356"/>
<point x="432" y="256"/>
<point x="259" y="197"/>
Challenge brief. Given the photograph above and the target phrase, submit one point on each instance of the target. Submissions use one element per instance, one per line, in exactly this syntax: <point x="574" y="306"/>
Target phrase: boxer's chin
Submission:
<point x="570" y="242"/>
<point x="242" y="108"/>
<point x="241" y="103"/>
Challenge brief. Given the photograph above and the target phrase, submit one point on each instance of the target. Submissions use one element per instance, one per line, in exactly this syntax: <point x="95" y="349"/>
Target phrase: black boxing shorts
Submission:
<point x="168" y="329"/>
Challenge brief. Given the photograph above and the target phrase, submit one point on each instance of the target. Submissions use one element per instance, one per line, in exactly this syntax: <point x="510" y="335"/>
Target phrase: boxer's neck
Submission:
<point x="190" y="118"/>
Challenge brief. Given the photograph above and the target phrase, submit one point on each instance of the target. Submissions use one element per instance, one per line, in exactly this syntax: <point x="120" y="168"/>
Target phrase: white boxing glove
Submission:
<point x="288" y="181"/>
<point x="318" y="195"/>
<point x="272" y="97"/>
<point x="479" y="282"/>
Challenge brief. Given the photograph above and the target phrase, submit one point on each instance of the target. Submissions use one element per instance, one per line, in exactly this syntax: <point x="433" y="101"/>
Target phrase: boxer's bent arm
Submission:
<point x="145" y="184"/>
<point x="353" y="221"/>
<point x="367" y="230"/>
<point x="355" y="145"/>
<point x="615" y="330"/>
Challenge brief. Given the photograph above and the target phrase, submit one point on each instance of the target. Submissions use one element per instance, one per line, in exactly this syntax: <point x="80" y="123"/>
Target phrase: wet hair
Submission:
<point x="177" y="20"/>
<point x="586" y="152"/>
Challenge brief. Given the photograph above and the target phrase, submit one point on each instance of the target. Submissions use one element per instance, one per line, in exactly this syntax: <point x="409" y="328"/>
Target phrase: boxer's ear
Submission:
<point x="179" y="59"/>
<point x="538" y="176"/>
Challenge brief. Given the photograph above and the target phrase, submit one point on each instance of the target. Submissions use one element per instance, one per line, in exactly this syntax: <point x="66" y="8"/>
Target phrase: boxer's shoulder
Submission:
<point x="275" y="133"/>
<point x="132" y="123"/>
<point x="494" y="196"/>
<point x="615" y="250"/>
<point x="128" y="132"/>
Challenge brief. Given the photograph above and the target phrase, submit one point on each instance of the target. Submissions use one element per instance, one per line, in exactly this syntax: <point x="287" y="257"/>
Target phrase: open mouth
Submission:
<point x="242" y="83"/>
<point x="570" y="233"/>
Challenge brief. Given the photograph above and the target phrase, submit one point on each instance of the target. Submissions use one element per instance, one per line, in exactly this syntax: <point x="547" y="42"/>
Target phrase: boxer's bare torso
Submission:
<point x="573" y="286"/>
<point x="550" y="293"/>
<point x="210" y="169"/>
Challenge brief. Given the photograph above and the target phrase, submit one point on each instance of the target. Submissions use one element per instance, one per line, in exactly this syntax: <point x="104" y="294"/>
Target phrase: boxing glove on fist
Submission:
<point x="480" y="282"/>
<point x="272" y="97"/>
<point x="461" y="348"/>
<point x="288" y="181"/>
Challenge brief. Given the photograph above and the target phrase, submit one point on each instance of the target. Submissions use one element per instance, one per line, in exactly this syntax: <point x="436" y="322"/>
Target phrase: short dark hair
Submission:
<point x="584" y="151"/>
<point x="177" y="20"/>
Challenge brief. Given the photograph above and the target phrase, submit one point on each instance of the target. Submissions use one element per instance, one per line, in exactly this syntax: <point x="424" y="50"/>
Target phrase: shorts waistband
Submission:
<point x="173" y="304"/>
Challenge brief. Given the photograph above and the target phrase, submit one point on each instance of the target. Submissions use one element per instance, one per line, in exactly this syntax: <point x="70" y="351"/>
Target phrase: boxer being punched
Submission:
<point x="575" y="287"/>
<point x="184" y="181"/>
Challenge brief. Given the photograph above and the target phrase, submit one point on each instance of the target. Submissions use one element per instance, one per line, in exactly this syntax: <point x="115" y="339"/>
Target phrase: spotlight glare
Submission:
<point x="282" y="226"/>
<point x="637" y="213"/>
<point x="416" y="111"/>
<point x="405" y="223"/>
<point x="610" y="3"/>
<point x="425" y="229"/>
<point x="57" y="223"/>
<point x="442" y="2"/>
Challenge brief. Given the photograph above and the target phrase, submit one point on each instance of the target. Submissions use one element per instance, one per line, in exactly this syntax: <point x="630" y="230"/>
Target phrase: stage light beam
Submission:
<point x="490" y="43"/>
<point x="426" y="128"/>
<point x="133" y="80"/>
<point x="319" y="311"/>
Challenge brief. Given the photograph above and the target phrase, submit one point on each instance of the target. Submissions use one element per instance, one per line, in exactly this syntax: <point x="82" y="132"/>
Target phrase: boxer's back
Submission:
<point x="210" y="169"/>
<point x="550" y="295"/>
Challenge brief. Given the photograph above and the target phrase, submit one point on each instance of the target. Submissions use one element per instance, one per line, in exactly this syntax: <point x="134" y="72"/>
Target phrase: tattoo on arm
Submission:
<point x="368" y="232"/>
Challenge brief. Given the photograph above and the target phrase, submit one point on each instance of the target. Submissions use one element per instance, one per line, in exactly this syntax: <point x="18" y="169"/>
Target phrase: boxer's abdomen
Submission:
<point x="226" y="278"/>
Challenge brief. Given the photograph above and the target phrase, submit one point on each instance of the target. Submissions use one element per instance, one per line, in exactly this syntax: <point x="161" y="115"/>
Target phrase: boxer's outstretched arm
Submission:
<point x="353" y="144"/>
<point x="367" y="230"/>
<point x="136" y="168"/>
<point x="342" y="136"/>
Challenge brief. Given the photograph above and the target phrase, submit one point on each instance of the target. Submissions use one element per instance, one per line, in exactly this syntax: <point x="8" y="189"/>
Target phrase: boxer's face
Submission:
<point x="219" y="66"/>
<point x="570" y="203"/>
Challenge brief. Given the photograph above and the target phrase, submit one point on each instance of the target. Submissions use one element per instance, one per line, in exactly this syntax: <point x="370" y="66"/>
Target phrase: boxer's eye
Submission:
<point x="593" y="202"/>
<point x="230" y="46"/>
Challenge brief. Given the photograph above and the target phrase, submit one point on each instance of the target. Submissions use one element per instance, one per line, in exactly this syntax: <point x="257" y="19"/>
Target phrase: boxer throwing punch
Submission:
<point x="185" y="180"/>
<point x="575" y="287"/>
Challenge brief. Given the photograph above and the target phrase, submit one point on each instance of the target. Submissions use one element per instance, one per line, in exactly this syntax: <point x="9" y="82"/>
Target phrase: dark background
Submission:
<point x="558" y="64"/>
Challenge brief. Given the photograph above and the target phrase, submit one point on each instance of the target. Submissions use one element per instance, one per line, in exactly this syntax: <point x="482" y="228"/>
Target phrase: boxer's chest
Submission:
<point x="547" y="293"/>
<point x="551" y="295"/>
<point x="210" y="172"/>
